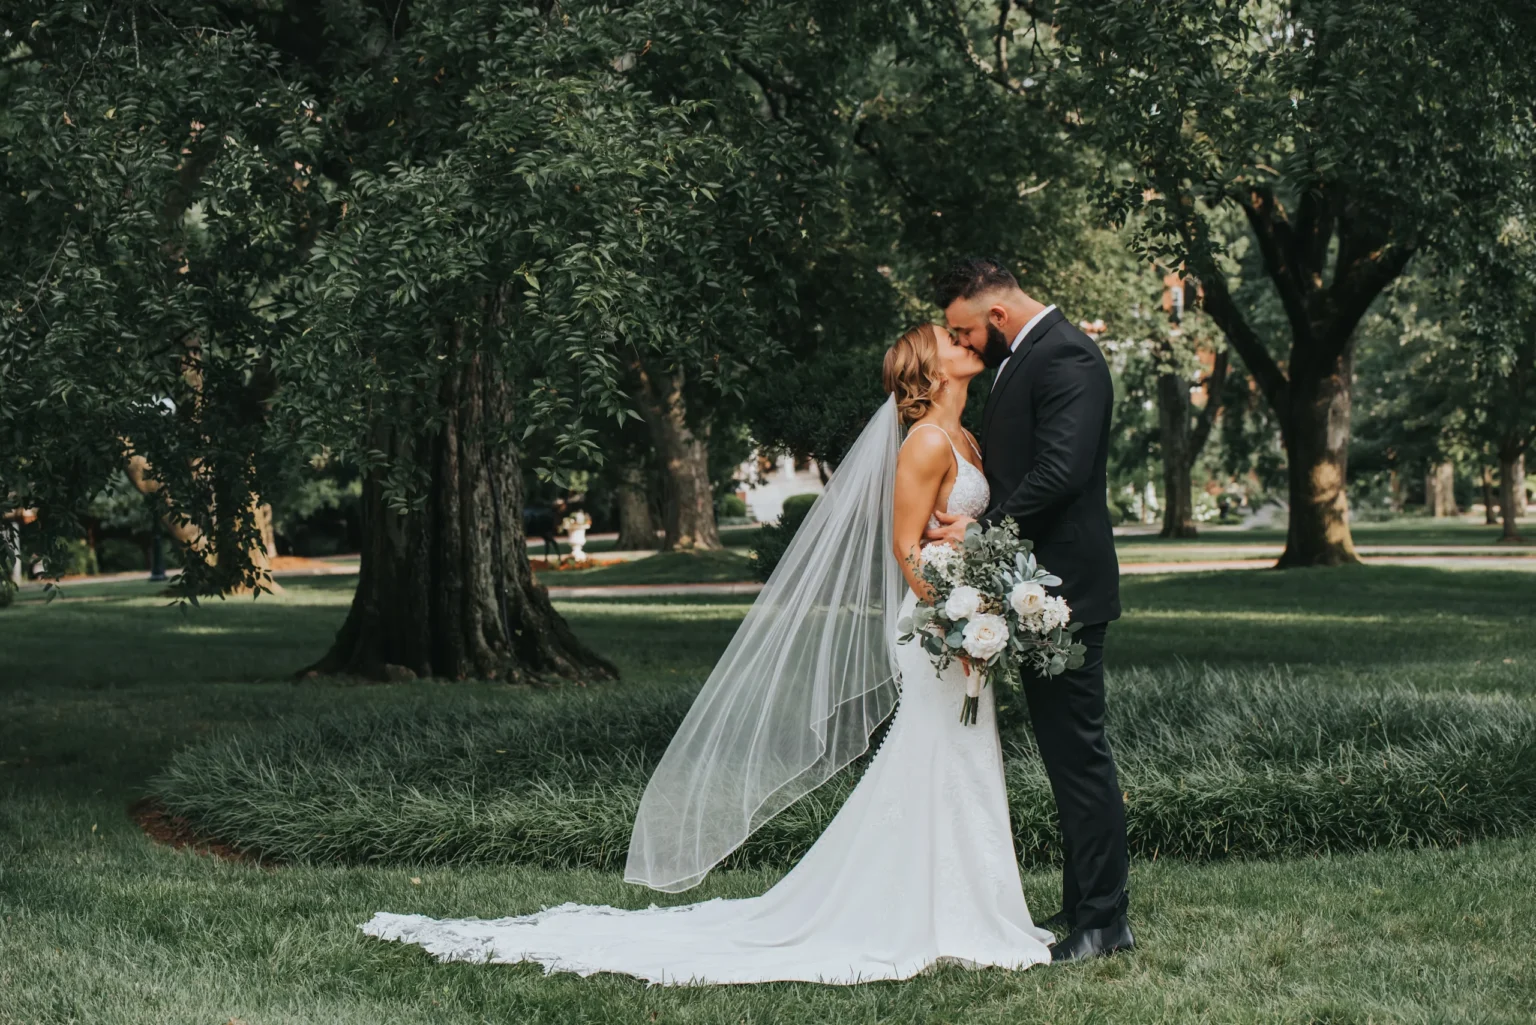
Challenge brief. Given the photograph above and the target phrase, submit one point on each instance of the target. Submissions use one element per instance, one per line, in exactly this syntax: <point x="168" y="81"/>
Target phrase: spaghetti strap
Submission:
<point x="934" y="426"/>
<point x="958" y="457"/>
<point x="942" y="431"/>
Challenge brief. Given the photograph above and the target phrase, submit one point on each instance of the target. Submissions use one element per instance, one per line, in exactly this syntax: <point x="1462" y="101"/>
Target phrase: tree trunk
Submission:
<point x="1441" y="490"/>
<point x="1395" y="488"/>
<point x="268" y="530"/>
<point x="1311" y="395"/>
<point x="11" y="563"/>
<point x="1516" y="475"/>
<point x="445" y="588"/>
<point x="637" y="528"/>
<point x="690" y="498"/>
<point x="189" y="535"/>
<point x="1317" y="449"/>
<point x="1511" y="487"/>
<point x="1490" y="504"/>
<point x="1178" y="456"/>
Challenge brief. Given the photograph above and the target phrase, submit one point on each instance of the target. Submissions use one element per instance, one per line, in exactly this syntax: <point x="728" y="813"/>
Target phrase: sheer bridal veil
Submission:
<point x="809" y="674"/>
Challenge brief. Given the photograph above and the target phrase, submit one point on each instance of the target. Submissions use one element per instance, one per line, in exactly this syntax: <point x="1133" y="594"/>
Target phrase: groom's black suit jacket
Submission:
<point x="1045" y="448"/>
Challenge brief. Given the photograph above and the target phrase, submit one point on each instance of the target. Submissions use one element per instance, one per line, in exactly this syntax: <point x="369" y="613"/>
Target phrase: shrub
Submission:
<point x="79" y="559"/>
<point x="732" y="507"/>
<point x="120" y="555"/>
<point x="1215" y="765"/>
<point x="774" y="539"/>
<point x="796" y="507"/>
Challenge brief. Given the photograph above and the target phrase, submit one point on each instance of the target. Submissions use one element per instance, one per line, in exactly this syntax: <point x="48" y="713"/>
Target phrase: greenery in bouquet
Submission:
<point x="991" y="612"/>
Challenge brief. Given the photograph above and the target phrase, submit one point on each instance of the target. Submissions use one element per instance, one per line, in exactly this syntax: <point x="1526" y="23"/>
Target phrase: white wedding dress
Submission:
<point x="917" y="868"/>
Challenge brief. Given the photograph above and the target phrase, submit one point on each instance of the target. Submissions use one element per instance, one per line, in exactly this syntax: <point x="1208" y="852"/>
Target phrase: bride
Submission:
<point x="918" y="866"/>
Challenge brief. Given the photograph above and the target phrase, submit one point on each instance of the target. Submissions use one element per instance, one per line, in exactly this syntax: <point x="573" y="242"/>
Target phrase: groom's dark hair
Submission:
<point x="971" y="277"/>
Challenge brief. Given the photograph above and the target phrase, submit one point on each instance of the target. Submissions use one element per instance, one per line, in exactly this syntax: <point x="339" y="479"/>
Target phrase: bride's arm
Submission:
<point x="920" y="469"/>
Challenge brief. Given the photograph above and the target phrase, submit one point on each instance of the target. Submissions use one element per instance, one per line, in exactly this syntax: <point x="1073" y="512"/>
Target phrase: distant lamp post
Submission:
<point x="156" y="550"/>
<point x="165" y="405"/>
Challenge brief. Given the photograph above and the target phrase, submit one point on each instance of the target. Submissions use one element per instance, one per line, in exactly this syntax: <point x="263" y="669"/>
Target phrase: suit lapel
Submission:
<point x="1047" y="322"/>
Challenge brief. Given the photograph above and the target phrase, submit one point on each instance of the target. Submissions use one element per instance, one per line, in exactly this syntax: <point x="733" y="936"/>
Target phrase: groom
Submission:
<point x="1045" y="445"/>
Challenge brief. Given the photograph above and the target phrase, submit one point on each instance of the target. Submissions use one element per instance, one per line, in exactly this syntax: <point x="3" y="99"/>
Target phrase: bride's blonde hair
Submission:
<point x="911" y="372"/>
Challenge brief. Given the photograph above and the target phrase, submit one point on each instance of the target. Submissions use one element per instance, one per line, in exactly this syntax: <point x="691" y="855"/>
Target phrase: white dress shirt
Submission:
<point x="1014" y="345"/>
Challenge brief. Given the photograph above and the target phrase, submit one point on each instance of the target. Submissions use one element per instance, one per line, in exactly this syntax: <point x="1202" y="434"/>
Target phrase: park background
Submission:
<point x="325" y="315"/>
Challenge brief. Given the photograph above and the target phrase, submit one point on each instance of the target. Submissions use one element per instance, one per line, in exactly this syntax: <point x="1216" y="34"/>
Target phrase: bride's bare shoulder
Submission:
<point x="925" y="451"/>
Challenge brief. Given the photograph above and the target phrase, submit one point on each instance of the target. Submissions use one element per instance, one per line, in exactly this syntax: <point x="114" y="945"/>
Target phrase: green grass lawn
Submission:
<point x="726" y="566"/>
<point x="1220" y="544"/>
<point x="1404" y="530"/>
<point x="101" y="925"/>
<point x="732" y="537"/>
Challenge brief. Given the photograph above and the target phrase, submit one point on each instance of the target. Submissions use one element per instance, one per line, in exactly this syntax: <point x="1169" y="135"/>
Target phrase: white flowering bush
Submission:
<point x="992" y="612"/>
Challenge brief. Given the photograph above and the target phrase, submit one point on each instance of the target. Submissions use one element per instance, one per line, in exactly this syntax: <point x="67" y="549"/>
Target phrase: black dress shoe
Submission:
<point x="1059" y="922"/>
<point x="1082" y="944"/>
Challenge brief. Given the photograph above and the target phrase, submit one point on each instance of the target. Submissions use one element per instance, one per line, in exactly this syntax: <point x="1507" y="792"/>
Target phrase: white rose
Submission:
<point x="1027" y="598"/>
<point x="963" y="603"/>
<point x="985" y="636"/>
<point x="1056" y="613"/>
<point x="945" y="560"/>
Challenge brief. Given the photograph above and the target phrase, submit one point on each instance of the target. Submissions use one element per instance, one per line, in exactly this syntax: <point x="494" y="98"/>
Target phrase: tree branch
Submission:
<point x="1218" y="302"/>
<point x="873" y="149"/>
<point x="1213" y="383"/>
<point x="1267" y="220"/>
<point x="1004" y="8"/>
<point x="1365" y="267"/>
<point x="1314" y="228"/>
<point x="974" y="58"/>
<point x="770" y="88"/>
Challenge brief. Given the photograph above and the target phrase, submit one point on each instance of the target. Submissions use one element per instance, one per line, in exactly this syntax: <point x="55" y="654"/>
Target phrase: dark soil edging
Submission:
<point x="161" y="826"/>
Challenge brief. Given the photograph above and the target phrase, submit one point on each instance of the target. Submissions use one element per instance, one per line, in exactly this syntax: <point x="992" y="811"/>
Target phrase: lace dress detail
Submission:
<point x="970" y="493"/>
<point x="917" y="868"/>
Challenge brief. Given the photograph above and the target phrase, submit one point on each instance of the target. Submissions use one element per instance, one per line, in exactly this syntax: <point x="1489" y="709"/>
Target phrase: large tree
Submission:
<point x="1479" y="382"/>
<point x="1350" y="134"/>
<point x="443" y="226"/>
<point x="561" y="238"/>
<point x="155" y="191"/>
<point x="935" y="166"/>
<point x="1168" y="347"/>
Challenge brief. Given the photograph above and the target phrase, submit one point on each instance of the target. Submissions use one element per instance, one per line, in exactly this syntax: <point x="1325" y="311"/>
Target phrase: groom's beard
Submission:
<point x="997" y="348"/>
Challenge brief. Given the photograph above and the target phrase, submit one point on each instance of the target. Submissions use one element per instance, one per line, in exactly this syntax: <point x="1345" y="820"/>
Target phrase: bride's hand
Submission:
<point x="951" y="528"/>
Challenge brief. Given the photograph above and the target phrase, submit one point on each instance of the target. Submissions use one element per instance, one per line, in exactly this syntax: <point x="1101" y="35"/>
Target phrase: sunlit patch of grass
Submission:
<point x="728" y="566"/>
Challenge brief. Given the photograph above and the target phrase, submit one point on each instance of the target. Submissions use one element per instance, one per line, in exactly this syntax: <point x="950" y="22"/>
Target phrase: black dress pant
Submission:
<point x="1067" y="713"/>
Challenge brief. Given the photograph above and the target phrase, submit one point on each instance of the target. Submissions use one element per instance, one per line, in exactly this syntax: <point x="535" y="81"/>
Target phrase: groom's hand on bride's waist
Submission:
<point x="951" y="528"/>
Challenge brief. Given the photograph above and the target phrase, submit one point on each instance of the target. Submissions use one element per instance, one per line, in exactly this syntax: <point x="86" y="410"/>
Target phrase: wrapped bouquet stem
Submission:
<point x="992" y="612"/>
<point x="972" y="702"/>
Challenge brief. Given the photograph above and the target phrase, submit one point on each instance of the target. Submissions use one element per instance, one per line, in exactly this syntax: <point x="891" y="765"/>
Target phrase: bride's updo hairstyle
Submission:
<point x="911" y="372"/>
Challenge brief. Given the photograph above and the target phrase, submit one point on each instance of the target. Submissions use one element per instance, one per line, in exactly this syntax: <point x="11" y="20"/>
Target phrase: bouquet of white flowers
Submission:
<point x="990" y="611"/>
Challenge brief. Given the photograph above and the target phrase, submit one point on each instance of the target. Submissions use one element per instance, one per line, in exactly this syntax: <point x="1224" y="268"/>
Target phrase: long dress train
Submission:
<point x="917" y="868"/>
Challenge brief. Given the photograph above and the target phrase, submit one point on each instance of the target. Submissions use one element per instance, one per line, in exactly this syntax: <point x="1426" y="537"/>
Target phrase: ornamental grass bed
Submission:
<point x="1214" y="763"/>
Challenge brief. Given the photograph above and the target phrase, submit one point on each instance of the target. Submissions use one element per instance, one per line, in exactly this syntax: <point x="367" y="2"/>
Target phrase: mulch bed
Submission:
<point x="174" y="831"/>
<point x="544" y="566"/>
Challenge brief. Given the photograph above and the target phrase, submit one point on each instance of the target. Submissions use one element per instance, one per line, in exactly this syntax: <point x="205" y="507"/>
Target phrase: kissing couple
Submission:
<point x="918" y="866"/>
